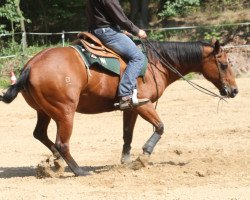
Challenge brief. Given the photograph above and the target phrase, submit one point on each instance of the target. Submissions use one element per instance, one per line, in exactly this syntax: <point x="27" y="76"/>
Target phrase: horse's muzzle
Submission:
<point x="229" y="92"/>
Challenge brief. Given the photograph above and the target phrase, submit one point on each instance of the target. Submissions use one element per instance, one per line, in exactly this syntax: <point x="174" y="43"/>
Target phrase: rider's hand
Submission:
<point x="128" y="34"/>
<point x="142" y="34"/>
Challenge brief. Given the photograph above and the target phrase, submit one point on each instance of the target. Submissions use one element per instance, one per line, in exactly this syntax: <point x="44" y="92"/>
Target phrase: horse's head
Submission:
<point x="218" y="70"/>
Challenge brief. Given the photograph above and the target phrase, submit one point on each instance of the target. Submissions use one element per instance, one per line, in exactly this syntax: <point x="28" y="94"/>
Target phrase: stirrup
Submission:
<point x="129" y="104"/>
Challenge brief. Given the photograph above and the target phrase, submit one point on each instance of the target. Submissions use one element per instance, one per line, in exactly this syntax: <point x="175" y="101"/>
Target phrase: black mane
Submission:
<point x="181" y="53"/>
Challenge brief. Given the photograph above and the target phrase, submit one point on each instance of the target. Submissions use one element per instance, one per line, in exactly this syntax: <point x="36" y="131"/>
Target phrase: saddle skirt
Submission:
<point x="93" y="52"/>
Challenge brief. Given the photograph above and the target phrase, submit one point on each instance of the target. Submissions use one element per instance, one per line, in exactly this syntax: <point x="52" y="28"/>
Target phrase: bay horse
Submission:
<point x="56" y="83"/>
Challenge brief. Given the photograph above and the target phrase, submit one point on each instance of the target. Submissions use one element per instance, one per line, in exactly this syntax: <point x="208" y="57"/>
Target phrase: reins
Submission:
<point x="173" y="69"/>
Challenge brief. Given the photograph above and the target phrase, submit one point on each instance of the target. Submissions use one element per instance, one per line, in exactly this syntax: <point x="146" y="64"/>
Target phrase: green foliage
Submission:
<point x="222" y="5"/>
<point x="9" y="12"/>
<point x="210" y="32"/>
<point x="9" y="48"/>
<point x="157" y="35"/>
<point x="191" y="76"/>
<point x="179" y="7"/>
<point x="4" y="82"/>
<point x="213" y="33"/>
<point x="2" y="28"/>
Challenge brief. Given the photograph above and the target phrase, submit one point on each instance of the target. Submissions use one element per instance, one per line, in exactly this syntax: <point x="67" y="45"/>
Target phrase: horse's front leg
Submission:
<point x="129" y="119"/>
<point x="149" y="113"/>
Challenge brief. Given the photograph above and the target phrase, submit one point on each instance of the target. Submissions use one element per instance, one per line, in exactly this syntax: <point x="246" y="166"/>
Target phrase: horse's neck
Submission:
<point x="169" y="76"/>
<point x="183" y="71"/>
<point x="184" y="57"/>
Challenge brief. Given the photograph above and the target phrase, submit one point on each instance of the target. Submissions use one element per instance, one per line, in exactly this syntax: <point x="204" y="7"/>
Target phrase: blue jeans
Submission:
<point x="114" y="39"/>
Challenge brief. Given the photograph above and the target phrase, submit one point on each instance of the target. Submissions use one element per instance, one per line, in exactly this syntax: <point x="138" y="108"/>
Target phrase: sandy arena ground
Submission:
<point x="204" y="153"/>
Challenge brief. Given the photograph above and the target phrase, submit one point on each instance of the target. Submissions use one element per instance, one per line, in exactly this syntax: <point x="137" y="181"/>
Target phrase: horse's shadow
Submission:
<point x="15" y="172"/>
<point x="11" y="172"/>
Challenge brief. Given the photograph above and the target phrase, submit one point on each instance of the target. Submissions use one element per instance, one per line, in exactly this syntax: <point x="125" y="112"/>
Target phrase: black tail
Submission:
<point x="14" y="89"/>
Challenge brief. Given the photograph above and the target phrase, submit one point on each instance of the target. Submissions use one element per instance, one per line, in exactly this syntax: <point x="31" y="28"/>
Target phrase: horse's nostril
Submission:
<point x="236" y="91"/>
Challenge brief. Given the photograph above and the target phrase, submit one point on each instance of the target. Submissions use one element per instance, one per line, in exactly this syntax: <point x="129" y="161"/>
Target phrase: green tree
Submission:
<point x="179" y="7"/>
<point x="12" y="13"/>
<point x="8" y="11"/>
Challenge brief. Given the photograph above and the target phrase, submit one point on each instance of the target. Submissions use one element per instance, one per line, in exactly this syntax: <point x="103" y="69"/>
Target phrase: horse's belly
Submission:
<point x="91" y="105"/>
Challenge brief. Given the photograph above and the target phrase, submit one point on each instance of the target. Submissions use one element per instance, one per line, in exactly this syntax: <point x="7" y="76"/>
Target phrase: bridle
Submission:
<point x="148" y="44"/>
<point x="221" y="67"/>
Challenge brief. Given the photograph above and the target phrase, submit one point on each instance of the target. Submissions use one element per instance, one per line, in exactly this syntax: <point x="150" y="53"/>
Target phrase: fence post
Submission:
<point x="248" y="28"/>
<point x="63" y="37"/>
<point x="24" y="43"/>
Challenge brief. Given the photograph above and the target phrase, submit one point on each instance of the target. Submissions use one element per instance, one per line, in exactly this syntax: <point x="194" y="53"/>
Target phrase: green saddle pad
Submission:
<point x="110" y="64"/>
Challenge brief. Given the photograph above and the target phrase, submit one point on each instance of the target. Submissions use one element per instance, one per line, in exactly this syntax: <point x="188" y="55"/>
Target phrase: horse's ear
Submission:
<point x="216" y="44"/>
<point x="213" y="40"/>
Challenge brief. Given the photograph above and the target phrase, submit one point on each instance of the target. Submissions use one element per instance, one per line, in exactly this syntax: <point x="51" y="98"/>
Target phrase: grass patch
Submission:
<point x="4" y="82"/>
<point x="190" y="76"/>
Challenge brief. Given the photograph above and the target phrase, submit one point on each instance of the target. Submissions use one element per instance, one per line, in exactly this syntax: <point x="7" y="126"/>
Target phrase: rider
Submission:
<point x="105" y="17"/>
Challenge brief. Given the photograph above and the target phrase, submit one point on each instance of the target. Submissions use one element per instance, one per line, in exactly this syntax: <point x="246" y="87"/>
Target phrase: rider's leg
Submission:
<point x="124" y="46"/>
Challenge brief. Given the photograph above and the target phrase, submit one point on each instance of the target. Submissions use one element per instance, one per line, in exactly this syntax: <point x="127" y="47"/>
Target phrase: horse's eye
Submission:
<point x="223" y="66"/>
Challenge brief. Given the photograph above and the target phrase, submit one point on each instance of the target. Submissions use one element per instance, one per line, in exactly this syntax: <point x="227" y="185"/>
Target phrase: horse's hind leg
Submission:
<point x="40" y="132"/>
<point x="63" y="115"/>
<point x="129" y="119"/>
<point x="64" y="130"/>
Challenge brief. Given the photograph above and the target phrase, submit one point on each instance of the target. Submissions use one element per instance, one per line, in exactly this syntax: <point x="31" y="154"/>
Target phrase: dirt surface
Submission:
<point x="204" y="153"/>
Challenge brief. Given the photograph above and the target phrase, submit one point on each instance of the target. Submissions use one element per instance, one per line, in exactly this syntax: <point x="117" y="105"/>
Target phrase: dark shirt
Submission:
<point x="108" y="13"/>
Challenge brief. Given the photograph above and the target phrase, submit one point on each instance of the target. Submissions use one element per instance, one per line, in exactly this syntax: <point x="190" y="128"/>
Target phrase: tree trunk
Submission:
<point x="13" y="31"/>
<point x="22" y="24"/>
<point x="161" y="5"/>
<point x="44" y="18"/>
<point x="139" y="12"/>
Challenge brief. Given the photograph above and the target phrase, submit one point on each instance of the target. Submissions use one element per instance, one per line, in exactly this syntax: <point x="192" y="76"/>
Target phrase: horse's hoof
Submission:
<point x="80" y="172"/>
<point x="59" y="163"/>
<point x="140" y="162"/>
<point x="143" y="158"/>
<point x="125" y="159"/>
